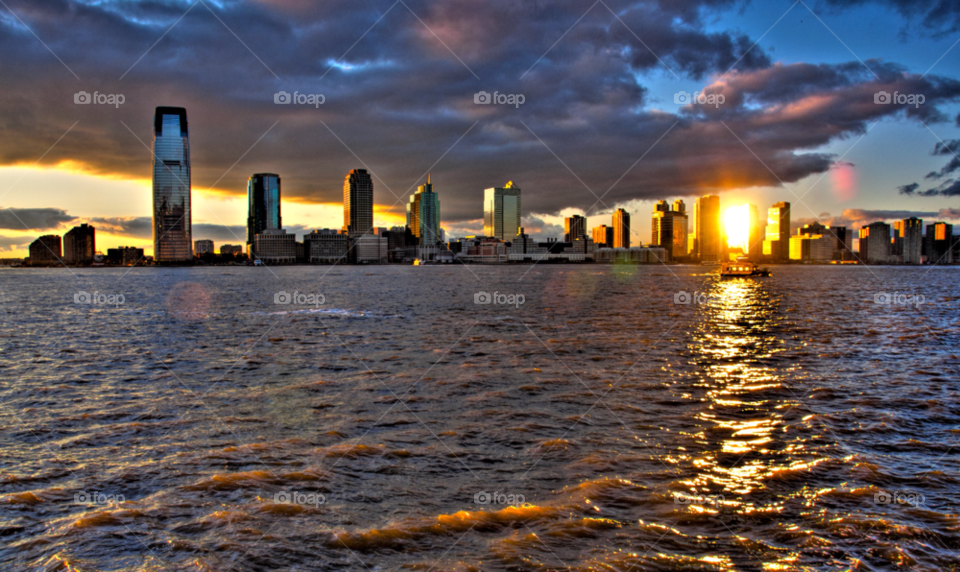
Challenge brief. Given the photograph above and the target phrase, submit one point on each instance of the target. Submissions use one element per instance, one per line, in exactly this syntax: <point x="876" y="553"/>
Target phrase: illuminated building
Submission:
<point x="423" y="214"/>
<point x="357" y="203"/>
<point x="501" y="212"/>
<point x="574" y="228"/>
<point x="776" y="246"/>
<point x="603" y="236"/>
<point x="908" y="240"/>
<point x="939" y="243"/>
<point x="621" y="229"/>
<point x="669" y="228"/>
<point x="875" y="243"/>
<point x="172" y="222"/>
<point x="707" y="228"/>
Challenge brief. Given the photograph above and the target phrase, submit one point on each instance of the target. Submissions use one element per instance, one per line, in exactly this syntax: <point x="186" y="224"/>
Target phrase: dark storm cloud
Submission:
<point x="400" y="100"/>
<point x="33" y="219"/>
<point x="947" y="188"/>
<point x="134" y="227"/>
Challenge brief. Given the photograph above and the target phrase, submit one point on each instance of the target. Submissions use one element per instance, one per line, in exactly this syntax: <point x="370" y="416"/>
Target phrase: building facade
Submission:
<point x="875" y="243"/>
<point x="574" y="228"/>
<point x="203" y="246"/>
<point x="125" y="256"/>
<point x="707" y="223"/>
<point x="79" y="245"/>
<point x="46" y="250"/>
<point x="939" y="243"/>
<point x="172" y="222"/>
<point x="326" y="246"/>
<point x="263" y="204"/>
<point x="621" y="229"/>
<point x="423" y="214"/>
<point x="603" y="236"/>
<point x="357" y="203"/>
<point x="776" y="246"/>
<point x="372" y="249"/>
<point x="275" y="246"/>
<point x="501" y="212"/>
<point x="908" y="240"/>
<point x="669" y="228"/>
<point x="230" y="249"/>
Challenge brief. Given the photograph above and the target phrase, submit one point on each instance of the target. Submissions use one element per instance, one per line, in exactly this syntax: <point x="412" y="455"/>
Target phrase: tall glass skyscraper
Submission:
<point x="357" y="203"/>
<point x="708" y="228"/>
<point x="501" y="212"/>
<point x="172" y="223"/>
<point x="621" y="229"/>
<point x="423" y="214"/>
<point x="263" y="204"/>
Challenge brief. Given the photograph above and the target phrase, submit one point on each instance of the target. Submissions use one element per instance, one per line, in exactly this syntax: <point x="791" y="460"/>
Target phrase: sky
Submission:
<point x="790" y="109"/>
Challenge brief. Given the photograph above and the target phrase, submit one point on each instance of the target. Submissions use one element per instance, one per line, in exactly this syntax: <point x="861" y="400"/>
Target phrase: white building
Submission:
<point x="372" y="248"/>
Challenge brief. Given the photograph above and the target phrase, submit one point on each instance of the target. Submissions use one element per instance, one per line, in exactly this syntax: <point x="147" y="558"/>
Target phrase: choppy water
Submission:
<point x="757" y="428"/>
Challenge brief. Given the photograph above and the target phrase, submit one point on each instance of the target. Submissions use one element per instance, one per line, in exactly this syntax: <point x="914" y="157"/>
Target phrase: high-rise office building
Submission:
<point x="574" y="228"/>
<point x="875" y="243"/>
<point x="669" y="228"/>
<point x="357" y="203"/>
<point x="755" y="232"/>
<point x="172" y="222"/>
<point x="939" y="243"/>
<point x="777" y="243"/>
<point x="203" y="246"/>
<point x="79" y="245"/>
<point x="263" y="204"/>
<point x="707" y="216"/>
<point x="46" y="250"/>
<point x="908" y="240"/>
<point x="603" y="236"/>
<point x="621" y="229"/>
<point x="501" y="212"/>
<point x="423" y="214"/>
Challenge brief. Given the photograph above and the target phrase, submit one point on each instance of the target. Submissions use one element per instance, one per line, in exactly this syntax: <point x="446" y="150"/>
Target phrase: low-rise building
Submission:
<point x="371" y="248"/>
<point x="274" y="246"/>
<point x="203" y="246"/>
<point x="326" y="246"/>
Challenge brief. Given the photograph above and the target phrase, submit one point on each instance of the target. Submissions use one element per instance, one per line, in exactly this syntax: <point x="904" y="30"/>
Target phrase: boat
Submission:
<point x="741" y="269"/>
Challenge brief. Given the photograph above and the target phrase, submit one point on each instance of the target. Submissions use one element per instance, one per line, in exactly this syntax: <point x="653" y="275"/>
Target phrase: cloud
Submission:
<point x="33" y="219"/>
<point x="15" y="242"/>
<point x="941" y="16"/>
<point x="947" y="188"/>
<point x="134" y="227"/>
<point x="399" y="100"/>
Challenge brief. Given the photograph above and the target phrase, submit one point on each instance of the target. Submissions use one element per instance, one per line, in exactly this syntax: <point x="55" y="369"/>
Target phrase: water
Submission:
<point x="610" y="428"/>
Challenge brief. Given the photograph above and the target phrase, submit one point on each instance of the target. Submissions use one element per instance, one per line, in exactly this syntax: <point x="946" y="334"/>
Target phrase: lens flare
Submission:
<point x="736" y="222"/>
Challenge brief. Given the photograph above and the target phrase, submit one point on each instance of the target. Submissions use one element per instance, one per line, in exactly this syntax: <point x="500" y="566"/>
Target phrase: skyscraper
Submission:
<point x="939" y="243"/>
<point x="777" y="243"/>
<point x="501" y="212"/>
<point x="708" y="228"/>
<point x="875" y="243"/>
<point x="603" y="236"/>
<point x="755" y="233"/>
<point x="172" y="223"/>
<point x="423" y="214"/>
<point x="79" y="245"/>
<point x="669" y="228"/>
<point x="574" y="228"/>
<point x="621" y="229"/>
<point x="908" y="240"/>
<point x="46" y="250"/>
<point x="357" y="203"/>
<point x="263" y="204"/>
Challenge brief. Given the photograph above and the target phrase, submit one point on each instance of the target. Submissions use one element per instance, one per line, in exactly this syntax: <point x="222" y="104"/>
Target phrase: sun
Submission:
<point x="736" y="221"/>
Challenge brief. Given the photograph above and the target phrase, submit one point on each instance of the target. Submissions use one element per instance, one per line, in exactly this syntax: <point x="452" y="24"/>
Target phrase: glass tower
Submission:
<point x="501" y="212"/>
<point x="172" y="224"/>
<point x="357" y="203"/>
<point x="263" y="198"/>
<point x="423" y="214"/>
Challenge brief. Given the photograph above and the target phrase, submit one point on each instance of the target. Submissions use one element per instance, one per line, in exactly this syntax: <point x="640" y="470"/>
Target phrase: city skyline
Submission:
<point x="84" y="162"/>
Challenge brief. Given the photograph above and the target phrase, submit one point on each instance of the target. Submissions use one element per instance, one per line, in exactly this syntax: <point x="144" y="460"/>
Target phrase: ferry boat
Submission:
<point x="741" y="269"/>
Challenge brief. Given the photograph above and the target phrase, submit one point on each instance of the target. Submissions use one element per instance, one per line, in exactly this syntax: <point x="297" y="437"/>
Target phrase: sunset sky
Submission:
<point x="599" y="127"/>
